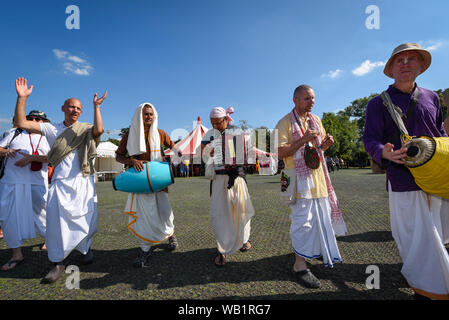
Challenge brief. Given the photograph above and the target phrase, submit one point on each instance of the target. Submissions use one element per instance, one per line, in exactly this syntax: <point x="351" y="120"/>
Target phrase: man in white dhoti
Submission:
<point x="72" y="201"/>
<point x="231" y="208"/>
<point x="151" y="217"/>
<point x="419" y="221"/>
<point x="23" y="188"/>
<point x="316" y="217"/>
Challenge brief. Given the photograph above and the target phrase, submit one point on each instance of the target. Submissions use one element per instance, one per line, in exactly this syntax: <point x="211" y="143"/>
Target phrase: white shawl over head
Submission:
<point x="136" y="138"/>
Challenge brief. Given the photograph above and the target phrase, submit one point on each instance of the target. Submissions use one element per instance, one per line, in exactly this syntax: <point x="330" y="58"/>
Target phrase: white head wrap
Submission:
<point x="219" y="112"/>
<point x="136" y="138"/>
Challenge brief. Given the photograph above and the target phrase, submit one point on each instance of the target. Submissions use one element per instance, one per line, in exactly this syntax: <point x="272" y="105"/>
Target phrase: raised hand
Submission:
<point x="99" y="101"/>
<point x="22" y="88"/>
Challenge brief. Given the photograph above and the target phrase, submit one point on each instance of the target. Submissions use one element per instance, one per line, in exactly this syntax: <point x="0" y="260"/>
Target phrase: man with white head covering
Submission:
<point x="72" y="200"/>
<point x="23" y="188"/>
<point x="150" y="214"/>
<point x="419" y="220"/>
<point x="231" y="208"/>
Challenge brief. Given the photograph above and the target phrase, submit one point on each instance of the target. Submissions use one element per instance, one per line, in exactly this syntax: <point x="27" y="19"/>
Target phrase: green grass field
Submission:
<point x="264" y="272"/>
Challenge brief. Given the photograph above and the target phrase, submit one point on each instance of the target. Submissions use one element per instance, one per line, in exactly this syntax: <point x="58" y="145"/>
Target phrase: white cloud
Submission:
<point x="60" y="54"/>
<point x="433" y="46"/>
<point x="73" y="64"/>
<point x="366" y="67"/>
<point x="332" y="74"/>
<point x="3" y="120"/>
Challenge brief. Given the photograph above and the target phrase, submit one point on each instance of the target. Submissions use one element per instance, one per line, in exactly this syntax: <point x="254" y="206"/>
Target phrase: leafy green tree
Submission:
<point x="443" y="105"/>
<point x="114" y="141"/>
<point x="345" y="133"/>
<point x="357" y="111"/>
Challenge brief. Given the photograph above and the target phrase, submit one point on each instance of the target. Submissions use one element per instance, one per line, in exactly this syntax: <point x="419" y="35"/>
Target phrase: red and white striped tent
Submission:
<point x="191" y="144"/>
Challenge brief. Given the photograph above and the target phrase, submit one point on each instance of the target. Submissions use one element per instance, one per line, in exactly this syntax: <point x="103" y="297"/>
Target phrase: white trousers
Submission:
<point x="22" y="212"/>
<point x="231" y="211"/>
<point x="72" y="216"/>
<point x="311" y="230"/>
<point x="420" y="228"/>
<point x="151" y="218"/>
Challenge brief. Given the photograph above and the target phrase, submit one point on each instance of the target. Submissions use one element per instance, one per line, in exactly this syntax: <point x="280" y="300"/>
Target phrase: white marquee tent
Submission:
<point x="105" y="163"/>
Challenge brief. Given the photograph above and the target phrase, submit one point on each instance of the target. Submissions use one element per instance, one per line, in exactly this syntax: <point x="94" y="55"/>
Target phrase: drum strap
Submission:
<point x="396" y="113"/>
<point x="149" y="179"/>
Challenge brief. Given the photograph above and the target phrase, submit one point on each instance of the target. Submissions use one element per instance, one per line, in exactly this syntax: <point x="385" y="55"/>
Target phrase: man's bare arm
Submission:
<point x="98" y="129"/>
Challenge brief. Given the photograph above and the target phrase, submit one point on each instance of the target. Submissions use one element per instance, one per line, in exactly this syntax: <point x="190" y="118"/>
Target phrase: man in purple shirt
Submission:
<point x="414" y="214"/>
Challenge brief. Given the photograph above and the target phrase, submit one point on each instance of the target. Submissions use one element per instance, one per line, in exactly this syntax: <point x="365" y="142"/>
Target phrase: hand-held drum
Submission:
<point x="427" y="160"/>
<point x="154" y="177"/>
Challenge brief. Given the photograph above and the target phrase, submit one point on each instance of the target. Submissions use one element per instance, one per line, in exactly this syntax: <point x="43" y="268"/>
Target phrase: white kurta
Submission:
<point x="72" y="213"/>
<point x="23" y="193"/>
<point x="150" y="217"/>
<point x="311" y="230"/>
<point x="420" y="233"/>
<point x="231" y="211"/>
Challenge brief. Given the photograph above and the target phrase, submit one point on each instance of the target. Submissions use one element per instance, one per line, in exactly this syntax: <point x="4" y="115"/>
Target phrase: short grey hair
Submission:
<point x="303" y="87"/>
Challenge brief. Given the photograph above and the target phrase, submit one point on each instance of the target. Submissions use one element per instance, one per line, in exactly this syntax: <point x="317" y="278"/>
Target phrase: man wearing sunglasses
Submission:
<point x="23" y="187"/>
<point x="72" y="199"/>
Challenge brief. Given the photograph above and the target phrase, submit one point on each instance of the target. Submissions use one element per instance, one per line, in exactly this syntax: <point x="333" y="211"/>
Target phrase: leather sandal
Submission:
<point x="246" y="246"/>
<point x="13" y="263"/>
<point x="221" y="260"/>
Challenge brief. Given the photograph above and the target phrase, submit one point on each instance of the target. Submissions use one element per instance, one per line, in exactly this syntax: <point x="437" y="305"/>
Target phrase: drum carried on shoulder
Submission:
<point x="155" y="177"/>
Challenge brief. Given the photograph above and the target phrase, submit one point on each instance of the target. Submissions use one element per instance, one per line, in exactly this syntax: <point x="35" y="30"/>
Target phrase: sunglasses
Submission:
<point x="35" y="119"/>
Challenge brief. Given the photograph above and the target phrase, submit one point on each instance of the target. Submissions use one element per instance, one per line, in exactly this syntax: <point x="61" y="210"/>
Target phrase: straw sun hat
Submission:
<point x="409" y="46"/>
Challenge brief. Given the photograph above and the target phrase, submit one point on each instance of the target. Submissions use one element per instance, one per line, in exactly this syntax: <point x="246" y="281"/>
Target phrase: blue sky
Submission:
<point x="187" y="56"/>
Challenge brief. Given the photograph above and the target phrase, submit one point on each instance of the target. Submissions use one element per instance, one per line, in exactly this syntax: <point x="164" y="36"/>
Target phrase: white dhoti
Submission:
<point x="22" y="212"/>
<point x="72" y="216"/>
<point x="420" y="228"/>
<point x="231" y="211"/>
<point x="311" y="230"/>
<point x="150" y="218"/>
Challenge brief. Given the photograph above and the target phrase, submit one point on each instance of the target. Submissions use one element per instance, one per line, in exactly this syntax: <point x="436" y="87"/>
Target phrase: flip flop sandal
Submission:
<point x="245" y="247"/>
<point x="221" y="260"/>
<point x="10" y="262"/>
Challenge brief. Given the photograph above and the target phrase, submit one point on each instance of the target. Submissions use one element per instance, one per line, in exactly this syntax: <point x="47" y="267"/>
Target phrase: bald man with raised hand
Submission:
<point x="72" y="200"/>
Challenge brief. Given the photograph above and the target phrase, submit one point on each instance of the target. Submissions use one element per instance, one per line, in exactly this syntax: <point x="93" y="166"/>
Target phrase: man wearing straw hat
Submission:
<point x="72" y="213"/>
<point x="419" y="221"/>
<point x="151" y="217"/>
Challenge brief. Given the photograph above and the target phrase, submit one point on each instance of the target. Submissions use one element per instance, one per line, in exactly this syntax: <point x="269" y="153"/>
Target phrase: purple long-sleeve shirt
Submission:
<point x="427" y="119"/>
